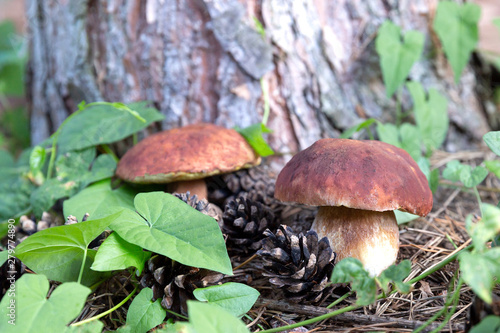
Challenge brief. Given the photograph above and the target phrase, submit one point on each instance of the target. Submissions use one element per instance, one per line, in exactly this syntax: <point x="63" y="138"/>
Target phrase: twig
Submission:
<point x="350" y="317"/>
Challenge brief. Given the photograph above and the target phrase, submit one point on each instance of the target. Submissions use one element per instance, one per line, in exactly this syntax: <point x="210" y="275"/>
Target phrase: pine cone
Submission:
<point x="300" y="265"/>
<point x="244" y="222"/>
<point x="174" y="283"/>
<point x="201" y="205"/>
<point x="257" y="180"/>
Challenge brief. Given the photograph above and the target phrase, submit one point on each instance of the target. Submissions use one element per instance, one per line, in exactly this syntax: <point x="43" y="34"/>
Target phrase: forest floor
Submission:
<point x="426" y="242"/>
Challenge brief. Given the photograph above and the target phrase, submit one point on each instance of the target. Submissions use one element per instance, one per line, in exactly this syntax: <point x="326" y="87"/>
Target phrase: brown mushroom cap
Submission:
<point x="361" y="174"/>
<point x="186" y="153"/>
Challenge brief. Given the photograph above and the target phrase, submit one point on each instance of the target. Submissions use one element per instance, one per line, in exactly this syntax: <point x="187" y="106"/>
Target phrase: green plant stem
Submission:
<point x="313" y="320"/>
<point x="451" y="301"/>
<point x="100" y="315"/>
<point x="83" y="265"/>
<point x="134" y="139"/>
<point x="438" y="266"/>
<point x="53" y="153"/>
<point x="265" y="95"/>
<point x="478" y="197"/>
<point x="110" y="152"/>
<point x="340" y="299"/>
<point x="399" y="115"/>
<point x="177" y="314"/>
<point x="450" y="313"/>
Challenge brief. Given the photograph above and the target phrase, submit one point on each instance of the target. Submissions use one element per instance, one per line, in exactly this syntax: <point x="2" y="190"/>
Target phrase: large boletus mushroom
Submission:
<point x="357" y="185"/>
<point x="185" y="156"/>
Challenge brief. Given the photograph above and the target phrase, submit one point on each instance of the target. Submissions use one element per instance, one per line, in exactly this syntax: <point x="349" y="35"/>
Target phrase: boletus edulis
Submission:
<point x="184" y="156"/>
<point x="357" y="185"/>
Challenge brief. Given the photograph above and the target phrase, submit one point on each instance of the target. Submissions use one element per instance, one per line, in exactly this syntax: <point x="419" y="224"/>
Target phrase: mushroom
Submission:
<point x="357" y="184"/>
<point x="184" y="156"/>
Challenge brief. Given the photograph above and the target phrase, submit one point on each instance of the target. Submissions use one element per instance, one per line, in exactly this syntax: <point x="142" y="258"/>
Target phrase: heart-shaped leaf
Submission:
<point x="98" y="199"/>
<point x="456" y="27"/>
<point x="166" y="225"/>
<point x="33" y="312"/>
<point x="58" y="252"/>
<point x="208" y="318"/>
<point x="486" y="229"/>
<point x="479" y="271"/>
<point x="116" y="253"/>
<point x="235" y="298"/>
<point x="431" y="115"/>
<point x="396" y="274"/>
<point x="396" y="56"/>
<point x="143" y="314"/>
<point x="254" y="136"/>
<point x="492" y="140"/>
<point x="105" y="123"/>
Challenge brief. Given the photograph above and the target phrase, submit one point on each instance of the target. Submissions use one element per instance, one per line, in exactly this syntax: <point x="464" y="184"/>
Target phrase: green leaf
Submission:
<point x="166" y="225"/>
<point x="456" y="27"/>
<point x="473" y="177"/>
<point x="235" y="298"/>
<point x="410" y="140"/>
<point x="116" y="253"/>
<point x="37" y="159"/>
<point x="456" y="171"/>
<point x="431" y="115"/>
<point x="388" y="133"/>
<point x="254" y="136"/>
<point x="406" y="137"/>
<point x="356" y="128"/>
<point x="143" y="314"/>
<point x="177" y="327"/>
<point x="98" y="199"/>
<point x="493" y="166"/>
<point x="104" y="124"/>
<point x="84" y="168"/>
<point x="396" y="274"/>
<point x="486" y="229"/>
<point x="208" y="318"/>
<point x="4" y="255"/>
<point x="492" y="140"/>
<point x="489" y="324"/>
<point x="479" y="271"/>
<point x="35" y="313"/>
<point x="15" y="187"/>
<point x="350" y="270"/>
<point x="45" y="196"/>
<point x="396" y="56"/>
<point x="404" y="217"/>
<point x="431" y="175"/>
<point x="58" y="252"/>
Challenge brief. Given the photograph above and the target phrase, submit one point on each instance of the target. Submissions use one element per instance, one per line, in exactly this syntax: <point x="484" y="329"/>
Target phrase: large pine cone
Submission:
<point x="174" y="283"/>
<point x="300" y="265"/>
<point x="244" y="222"/>
<point x="258" y="182"/>
<point x="201" y="205"/>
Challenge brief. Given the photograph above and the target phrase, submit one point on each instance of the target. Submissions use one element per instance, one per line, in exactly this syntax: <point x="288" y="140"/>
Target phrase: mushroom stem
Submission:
<point x="196" y="186"/>
<point x="370" y="236"/>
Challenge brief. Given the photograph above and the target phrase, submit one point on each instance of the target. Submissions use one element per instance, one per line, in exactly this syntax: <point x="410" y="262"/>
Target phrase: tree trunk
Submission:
<point x="202" y="60"/>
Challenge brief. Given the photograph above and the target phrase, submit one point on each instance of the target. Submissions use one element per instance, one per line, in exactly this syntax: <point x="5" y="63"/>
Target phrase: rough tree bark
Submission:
<point x="201" y="60"/>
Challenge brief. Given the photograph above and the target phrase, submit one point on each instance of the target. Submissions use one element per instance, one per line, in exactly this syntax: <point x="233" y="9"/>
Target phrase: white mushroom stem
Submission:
<point x="196" y="186"/>
<point x="372" y="237"/>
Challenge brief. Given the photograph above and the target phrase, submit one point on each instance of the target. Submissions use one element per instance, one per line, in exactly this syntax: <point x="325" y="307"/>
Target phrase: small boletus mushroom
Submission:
<point x="184" y="156"/>
<point x="357" y="184"/>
